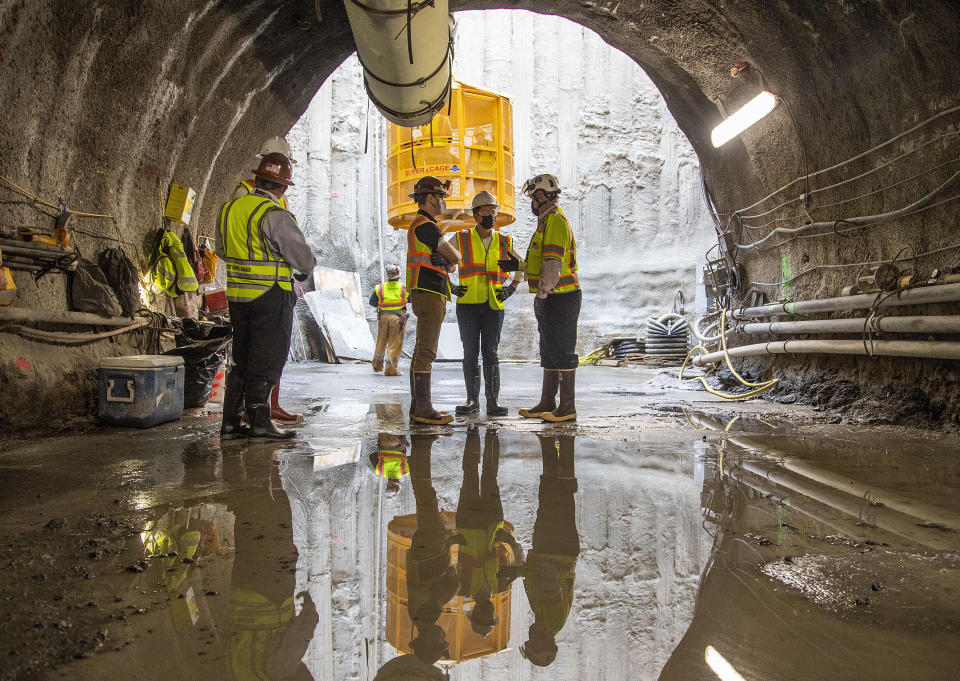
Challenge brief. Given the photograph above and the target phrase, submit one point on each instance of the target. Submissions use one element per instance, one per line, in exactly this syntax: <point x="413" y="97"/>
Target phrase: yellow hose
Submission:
<point x="759" y="387"/>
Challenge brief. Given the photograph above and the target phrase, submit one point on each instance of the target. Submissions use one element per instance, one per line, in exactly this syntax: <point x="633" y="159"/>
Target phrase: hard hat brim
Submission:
<point x="272" y="177"/>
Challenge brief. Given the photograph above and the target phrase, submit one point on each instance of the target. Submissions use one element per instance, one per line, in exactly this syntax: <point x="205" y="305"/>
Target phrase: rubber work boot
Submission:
<point x="413" y="396"/>
<point x="491" y="383"/>
<point x="392" y="370"/>
<point x="257" y="395"/>
<point x="425" y="413"/>
<point x="471" y="377"/>
<point x="233" y="426"/>
<point x="548" y="396"/>
<point x="567" y="411"/>
<point x="278" y="413"/>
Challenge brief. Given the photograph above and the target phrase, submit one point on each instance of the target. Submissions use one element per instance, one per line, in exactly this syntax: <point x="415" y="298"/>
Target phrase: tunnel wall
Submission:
<point x="111" y="102"/>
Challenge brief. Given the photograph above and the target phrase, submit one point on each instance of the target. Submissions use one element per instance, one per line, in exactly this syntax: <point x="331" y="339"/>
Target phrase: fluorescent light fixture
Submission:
<point x="743" y="118"/>
<point x="718" y="663"/>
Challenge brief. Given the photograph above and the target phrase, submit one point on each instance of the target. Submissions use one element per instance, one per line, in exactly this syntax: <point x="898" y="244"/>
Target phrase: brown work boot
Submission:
<point x="377" y="364"/>
<point x="567" y="410"/>
<point x="548" y="396"/>
<point x="392" y="370"/>
<point x="278" y="413"/>
<point x="424" y="411"/>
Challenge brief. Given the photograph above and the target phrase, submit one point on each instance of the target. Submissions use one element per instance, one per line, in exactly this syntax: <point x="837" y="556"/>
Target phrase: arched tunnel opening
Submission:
<point x="741" y="464"/>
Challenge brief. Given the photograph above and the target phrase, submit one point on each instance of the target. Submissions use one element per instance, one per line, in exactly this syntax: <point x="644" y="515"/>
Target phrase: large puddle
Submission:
<point x="726" y="550"/>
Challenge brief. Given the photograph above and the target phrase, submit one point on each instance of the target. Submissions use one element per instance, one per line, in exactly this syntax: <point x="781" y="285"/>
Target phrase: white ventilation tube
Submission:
<point x="406" y="50"/>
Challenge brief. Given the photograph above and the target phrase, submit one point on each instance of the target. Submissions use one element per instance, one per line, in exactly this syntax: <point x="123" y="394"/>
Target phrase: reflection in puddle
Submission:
<point x="732" y="548"/>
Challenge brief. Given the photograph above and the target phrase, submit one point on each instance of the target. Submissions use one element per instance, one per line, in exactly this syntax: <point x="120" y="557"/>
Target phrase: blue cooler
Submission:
<point x="141" y="391"/>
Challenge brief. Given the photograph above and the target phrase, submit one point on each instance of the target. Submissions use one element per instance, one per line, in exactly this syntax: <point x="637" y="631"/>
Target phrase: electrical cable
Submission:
<point x="862" y="220"/>
<point x="855" y="158"/>
<point x="66" y="338"/>
<point x="852" y="264"/>
<point x="758" y="387"/>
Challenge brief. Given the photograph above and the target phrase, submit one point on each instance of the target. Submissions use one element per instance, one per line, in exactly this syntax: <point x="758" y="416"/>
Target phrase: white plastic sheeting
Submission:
<point x="337" y="306"/>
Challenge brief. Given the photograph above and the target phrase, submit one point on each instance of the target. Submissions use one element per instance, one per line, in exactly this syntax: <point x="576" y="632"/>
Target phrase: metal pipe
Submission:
<point x="35" y="253"/>
<point x="879" y="348"/>
<point x="54" y="250"/>
<point x="941" y="293"/>
<point x="27" y="314"/>
<point x="921" y="324"/>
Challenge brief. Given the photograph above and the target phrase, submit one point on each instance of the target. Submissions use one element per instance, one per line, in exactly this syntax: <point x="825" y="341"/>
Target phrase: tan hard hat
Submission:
<point x="393" y="270"/>
<point x="277" y="145"/>
<point x="484" y="198"/>
<point x="276" y="168"/>
<point x="544" y="181"/>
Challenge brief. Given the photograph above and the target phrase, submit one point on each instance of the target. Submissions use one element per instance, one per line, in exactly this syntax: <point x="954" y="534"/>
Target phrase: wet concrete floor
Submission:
<point x="664" y="536"/>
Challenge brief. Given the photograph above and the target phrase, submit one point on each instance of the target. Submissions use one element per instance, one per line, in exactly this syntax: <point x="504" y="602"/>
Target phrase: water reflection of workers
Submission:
<point x="550" y="568"/>
<point x="485" y="545"/>
<point x="431" y="580"/>
<point x="267" y="639"/>
<point x="390" y="461"/>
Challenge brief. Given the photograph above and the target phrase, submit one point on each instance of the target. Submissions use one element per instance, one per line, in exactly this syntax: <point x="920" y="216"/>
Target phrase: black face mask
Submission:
<point x="487" y="221"/>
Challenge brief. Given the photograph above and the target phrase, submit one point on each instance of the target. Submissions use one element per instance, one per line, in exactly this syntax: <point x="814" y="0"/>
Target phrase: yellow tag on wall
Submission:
<point x="8" y="289"/>
<point x="179" y="203"/>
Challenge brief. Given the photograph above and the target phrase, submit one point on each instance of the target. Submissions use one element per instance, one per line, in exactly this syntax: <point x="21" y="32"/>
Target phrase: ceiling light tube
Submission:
<point x="743" y="118"/>
<point x="719" y="665"/>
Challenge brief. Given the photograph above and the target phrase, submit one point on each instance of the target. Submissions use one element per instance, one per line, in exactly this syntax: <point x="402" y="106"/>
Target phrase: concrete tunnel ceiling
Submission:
<point x="113" y="101"/>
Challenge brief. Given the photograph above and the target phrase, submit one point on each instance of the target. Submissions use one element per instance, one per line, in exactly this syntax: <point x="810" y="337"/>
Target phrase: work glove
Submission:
<point x="509" y="264"/>
<point x="459" y="290"/>
<point x="301" y="276"/>
<point x="437" y="259"/>
<point x="505" y="292"/>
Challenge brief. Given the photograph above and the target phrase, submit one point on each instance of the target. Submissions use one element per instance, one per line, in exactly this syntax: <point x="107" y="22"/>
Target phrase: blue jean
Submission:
<point x="480" y="327"/>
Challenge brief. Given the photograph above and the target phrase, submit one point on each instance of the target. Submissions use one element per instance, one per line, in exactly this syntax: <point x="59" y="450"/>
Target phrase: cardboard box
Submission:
<point x="179" y="203"/>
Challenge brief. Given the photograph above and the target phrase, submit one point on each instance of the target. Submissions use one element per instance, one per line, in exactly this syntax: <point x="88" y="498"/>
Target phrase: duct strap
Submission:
<point x="420" y="82"/>
<point x="430" y="107"/>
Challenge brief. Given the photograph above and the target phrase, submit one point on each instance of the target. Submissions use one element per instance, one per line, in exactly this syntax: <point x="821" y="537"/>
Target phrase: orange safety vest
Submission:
<point x="418" y="257"/>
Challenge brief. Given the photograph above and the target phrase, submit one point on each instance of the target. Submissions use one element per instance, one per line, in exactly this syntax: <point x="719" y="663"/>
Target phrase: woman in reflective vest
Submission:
<point x="390" y="299"/>
<point x="551" y="267"/>
<point x="480" y="301"/>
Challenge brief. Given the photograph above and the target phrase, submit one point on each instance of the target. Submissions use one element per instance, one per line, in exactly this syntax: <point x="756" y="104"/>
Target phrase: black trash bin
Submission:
<point x="203" y="347"/>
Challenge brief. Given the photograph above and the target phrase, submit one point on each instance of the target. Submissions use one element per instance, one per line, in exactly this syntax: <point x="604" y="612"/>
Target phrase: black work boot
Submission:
<point x="471" y="377"/>
<point x="491" y="382"/>
<point x="413" y="396"/>
<point x="567" y="409"/>
<point x="425" y="413"/>
<point x="548" y="396"/>
<point x="232" y="427"/>
<point x="257" y="395"/>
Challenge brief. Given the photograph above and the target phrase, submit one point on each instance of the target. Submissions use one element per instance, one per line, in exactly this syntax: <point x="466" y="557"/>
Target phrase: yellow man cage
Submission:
<point x="465" y="644"/>
<point x="470" y="143"/>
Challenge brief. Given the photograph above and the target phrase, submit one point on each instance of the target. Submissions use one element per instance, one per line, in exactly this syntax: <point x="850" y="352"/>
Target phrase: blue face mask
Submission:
<point x="487" y="221"/>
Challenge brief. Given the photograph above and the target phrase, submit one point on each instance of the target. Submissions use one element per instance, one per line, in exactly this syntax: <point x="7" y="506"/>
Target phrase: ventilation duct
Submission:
<point x="406" y="51"/>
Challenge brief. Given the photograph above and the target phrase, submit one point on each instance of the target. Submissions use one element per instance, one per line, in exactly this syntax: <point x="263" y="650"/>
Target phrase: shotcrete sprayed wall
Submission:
<point x="583" y="111"/>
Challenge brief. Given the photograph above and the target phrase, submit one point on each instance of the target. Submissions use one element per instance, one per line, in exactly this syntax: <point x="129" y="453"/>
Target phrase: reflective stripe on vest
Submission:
<point x="537" y="250"/>
<point x="392" y="464"/>
<point x="252" y="268"/>
<point x="418" y="257"/>
<point x="479" y="269"/>
<point x="391" y="296"/>
<point x="250" y="188"/>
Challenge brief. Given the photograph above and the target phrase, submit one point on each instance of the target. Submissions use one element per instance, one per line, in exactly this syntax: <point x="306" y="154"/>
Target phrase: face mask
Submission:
<point x="487" y="221"/>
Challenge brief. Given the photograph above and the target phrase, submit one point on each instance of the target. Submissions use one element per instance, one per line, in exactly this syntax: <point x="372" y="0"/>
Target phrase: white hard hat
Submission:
<point x="484" y="198"/>
<point x="393" y="270"/>
<point x="276" y="145"/>
<point x="546" y="182"/>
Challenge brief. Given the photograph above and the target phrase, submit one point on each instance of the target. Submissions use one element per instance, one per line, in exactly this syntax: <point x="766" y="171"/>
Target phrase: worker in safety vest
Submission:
<point x="550" y="568"/>
<point x="484" y="544"/>
<point x="480" y="301"/>
<point x="390" y="299"/>
<point x="261" y="245"/>
<point x="551" y="267"/>
<point x="274" y="145"/>
<point x="429" y="261"/>
<point x="390" y="461"/>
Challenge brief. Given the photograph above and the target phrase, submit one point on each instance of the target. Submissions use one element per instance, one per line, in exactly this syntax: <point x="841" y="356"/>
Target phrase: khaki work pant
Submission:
<point x="389" y="341"/>
<point x="429" y="308"/>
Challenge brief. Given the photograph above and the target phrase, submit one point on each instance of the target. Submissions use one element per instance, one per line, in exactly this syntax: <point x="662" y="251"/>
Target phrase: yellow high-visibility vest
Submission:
<point x="252" y="268"/>
<point x="553" y="240"/>
<point x="172" y="273"/>
<point x="249" y="186"/>
<point x="479" y="270"/>
<point x="391" y="296"/>
<point x="418" y="258"/>
<point x="392" y="464"/>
